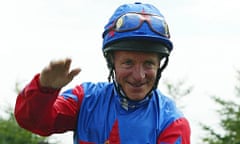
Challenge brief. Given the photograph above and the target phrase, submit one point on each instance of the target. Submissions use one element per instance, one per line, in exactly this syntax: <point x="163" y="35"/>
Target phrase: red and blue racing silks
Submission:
<point x="98" y="115"/>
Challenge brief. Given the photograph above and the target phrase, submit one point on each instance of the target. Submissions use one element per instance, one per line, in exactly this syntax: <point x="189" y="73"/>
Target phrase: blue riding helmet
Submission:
<point x="132" y="25"/>
<point x="136" y="27"/>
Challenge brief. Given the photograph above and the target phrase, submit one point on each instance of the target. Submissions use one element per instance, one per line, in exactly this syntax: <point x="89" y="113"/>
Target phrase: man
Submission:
<point x="128" y="110"/>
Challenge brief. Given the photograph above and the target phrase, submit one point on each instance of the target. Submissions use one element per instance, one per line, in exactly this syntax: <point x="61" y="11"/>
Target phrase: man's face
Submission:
<point x="136" y="72"/>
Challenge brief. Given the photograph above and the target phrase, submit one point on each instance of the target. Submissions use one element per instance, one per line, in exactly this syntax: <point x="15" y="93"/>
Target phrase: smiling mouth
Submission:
<point x="137" y="85"/>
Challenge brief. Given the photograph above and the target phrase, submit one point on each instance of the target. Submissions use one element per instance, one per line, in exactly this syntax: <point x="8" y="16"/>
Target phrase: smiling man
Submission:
<point x="129" y="109"/>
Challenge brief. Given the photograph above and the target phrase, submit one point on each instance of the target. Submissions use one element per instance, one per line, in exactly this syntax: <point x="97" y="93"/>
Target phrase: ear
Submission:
<point x="110" y="64"/>
<point x="110" y="60"/>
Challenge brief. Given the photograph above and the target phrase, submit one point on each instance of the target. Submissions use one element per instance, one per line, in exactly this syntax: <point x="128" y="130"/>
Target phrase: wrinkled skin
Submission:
<point x="136" y="72"/>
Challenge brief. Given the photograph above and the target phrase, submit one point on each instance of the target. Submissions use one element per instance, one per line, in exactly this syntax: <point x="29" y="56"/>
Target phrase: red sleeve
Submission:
<point x="178" y="131"/>
<point x="42" y="111"/>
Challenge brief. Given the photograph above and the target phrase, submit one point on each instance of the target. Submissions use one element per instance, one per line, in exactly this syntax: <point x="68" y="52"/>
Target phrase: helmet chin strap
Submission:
<point x="159" y="72"/>
<point x="111" y="76"/>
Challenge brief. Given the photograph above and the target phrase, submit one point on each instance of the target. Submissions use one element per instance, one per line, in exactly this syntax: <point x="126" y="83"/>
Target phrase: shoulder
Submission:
<point x="100" y="87"/>
<point x="94" y="92"/>
<point x="177" y="131"/>
<point x="164" y="101"/>
<point x="86" y="89"/>
<point x="180" y="126"/>
<point x="168" y="111"/>
<point x="172" y="121"/>
<point x="96" y="95"/>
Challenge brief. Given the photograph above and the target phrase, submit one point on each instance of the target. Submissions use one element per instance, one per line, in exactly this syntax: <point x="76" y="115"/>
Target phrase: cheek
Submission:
<point x="151" y="73"/>
<point x="120" y="74"/>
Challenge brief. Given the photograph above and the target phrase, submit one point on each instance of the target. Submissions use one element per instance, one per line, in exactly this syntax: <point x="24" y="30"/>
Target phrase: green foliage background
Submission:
<point x="229" y="122"/>
<point x="11" y="133"/>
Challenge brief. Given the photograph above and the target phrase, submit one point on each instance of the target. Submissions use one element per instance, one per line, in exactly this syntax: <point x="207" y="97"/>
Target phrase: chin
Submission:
<point x="136" y="98"/>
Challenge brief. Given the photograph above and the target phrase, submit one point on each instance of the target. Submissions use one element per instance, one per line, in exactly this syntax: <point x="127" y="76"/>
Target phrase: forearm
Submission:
<point x="34" y="107"/>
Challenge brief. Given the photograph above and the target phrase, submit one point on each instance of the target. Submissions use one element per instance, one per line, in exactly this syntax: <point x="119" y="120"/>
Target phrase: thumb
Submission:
<point x="74" y="73"/>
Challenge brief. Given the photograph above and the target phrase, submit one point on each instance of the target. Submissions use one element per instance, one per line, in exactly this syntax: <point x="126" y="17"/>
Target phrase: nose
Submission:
<point x="138" y="73"/>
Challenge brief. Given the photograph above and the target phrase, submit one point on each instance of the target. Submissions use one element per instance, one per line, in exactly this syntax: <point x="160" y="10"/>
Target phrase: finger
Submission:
<point x="74" y="72"/>
<point x="67" y="63"/>
<point x="57" y="63"/>
<point x="46" y="69"/>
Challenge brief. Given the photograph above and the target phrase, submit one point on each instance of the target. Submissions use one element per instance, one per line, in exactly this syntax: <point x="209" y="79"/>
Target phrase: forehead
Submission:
<point x="135" y="54"/>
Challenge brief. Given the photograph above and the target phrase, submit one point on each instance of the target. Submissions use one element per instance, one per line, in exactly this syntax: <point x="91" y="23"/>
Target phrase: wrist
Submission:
<point x="45" y="89"/>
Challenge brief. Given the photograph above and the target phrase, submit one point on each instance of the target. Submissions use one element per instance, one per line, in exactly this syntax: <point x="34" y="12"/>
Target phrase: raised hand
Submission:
<point x="58" y="74"/>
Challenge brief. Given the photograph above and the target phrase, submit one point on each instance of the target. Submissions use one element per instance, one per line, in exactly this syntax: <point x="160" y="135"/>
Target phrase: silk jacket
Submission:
<point x="99" y="115"/>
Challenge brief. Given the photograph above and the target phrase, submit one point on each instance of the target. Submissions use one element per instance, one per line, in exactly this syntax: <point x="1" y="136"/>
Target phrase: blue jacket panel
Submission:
<point x="139" y="122"/>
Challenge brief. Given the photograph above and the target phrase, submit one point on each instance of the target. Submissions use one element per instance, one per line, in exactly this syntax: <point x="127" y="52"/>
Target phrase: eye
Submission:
<point x="127" y="63"/>
<point x="149" y="64"/>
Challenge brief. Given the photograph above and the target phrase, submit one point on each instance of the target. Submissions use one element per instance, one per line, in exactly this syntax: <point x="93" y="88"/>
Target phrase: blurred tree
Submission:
<point x="177" y="90"/>
<point x="229" y="121"/>
<point x="11" y="133"/>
